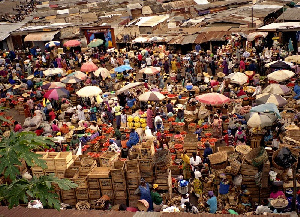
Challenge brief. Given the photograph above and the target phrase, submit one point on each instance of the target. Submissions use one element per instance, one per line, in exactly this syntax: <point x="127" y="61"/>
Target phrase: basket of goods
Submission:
<point x="243" y="149"/>
<point x="257" y="156"/>
<point x="233" y="156"/>
<point x="235" y="167"/>
<point x="218" y="157"/>
<point x="283" y="159"/>
<point x="143" y="205"/>
<point x="162" y="158"/>
<point x="279" y="203"/>
<point x="83" y="205"/>
<point x="192" y="127"/>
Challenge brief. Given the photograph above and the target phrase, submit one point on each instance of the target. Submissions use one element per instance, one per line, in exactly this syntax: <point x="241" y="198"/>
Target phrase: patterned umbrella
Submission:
<point x="56" y="93"/>
<point x="95" y="43"/>
<point x="88" y="67"/>
<point x="256" y="119"/>
<point x="70" y="80"/>
<point x="52" y="44"/>
<point x="78" y="74"/>
<point x="277" y="89"/>
<point x="151" y="96"/>
<point x="280" y="75"/>
<point x="213" y="99"/>
<point x="271" y="98"/>
<point x="52" y="85"/>
<point x="72" y="43"/>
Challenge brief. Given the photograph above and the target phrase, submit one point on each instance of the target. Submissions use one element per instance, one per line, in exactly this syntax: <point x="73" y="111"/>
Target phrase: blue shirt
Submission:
<point x="224" y="188"/>
<point x="212" y="202"/>
<point x="130" y="102"/>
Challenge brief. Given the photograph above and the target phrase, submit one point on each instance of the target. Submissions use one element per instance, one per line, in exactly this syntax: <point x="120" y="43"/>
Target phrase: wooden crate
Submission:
<point x="131" y="165"/>
<point x="133" y="183"/>
<point x="120" y="201"/>
<point x="84" y="171"/>
<point x="117" y="175"/>
<point x="80" y="180"/>
<point x="62" y="159"/>
<point x="119" y="164"/>
<point x="109" y="193"/>
<point x="60" y="173"/>
<point x="108" y="159"/>
<point x="37" y="172"/>
<point x="71" y="202"/>
<point x="93" y="183"/>
<point x="146" y="153"/>
<point x="132" y="174"/>
<point x="94" y="193"/>
<point x="71" y="171"/>
<point x="49" y="171"/>
<point x="68" y="194"/>
<point x="145" y="164"/>
<point x="50" y="160"/>
<point x="146" y="174"/>
<point x="99" y="172"/>
<point x="175" y="170"/>
<point x="105" y="184"/>
<point x="82" y="194"/>
<point x="120" y="194"/>
<point x="119" y="185"/>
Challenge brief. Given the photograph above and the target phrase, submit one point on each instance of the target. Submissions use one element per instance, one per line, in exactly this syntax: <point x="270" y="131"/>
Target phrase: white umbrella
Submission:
<point x="276" y="89"/>
<point x="103" y="72"/>
<point x="280" y="75"/>
<point x="53" y="71"/>
<point x="270" y="98"/>
<point x="129" y="86"/>
<point x="89" y="91"/>
<point x="238" y="78"/>
<point x="150" y="70"/>
<point x="261" y="119"/>
<point x="151" y="96"/>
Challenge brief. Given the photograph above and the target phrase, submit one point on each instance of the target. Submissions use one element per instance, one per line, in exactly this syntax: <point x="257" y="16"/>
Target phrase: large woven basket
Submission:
<point x="218" y="157"/>
<point x="143" y="205"/>
<point x="235" y="167"/>
<point x="276" y="165"/>
<point x="257" y="156"/>
<point x="243" y="149"/>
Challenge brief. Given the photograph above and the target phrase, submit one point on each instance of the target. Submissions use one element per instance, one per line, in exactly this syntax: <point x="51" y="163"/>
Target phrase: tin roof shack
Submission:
<point x="148" y="24"/>
<point x="289" y="15"/>
<point x="134" y="10"/>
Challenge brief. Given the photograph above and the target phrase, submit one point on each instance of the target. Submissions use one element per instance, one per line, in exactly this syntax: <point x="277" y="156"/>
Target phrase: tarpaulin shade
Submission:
<point x="40" y="36"/>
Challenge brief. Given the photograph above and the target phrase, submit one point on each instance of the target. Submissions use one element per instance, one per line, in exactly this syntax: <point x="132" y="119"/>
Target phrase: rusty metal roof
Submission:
<point x="189" y="39"/>
<point x="25" y="212"/>
<point x="177" y="39"/>
<point x="211" y="36"/>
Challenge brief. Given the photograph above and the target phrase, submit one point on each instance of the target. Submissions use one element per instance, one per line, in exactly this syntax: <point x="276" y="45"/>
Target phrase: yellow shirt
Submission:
<point x="185" y="158"/>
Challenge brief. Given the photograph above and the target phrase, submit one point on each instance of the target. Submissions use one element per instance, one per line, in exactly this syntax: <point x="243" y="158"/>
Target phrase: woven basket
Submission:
<point x="235" y="167"/>
<point x="257" y="156"/>
<point x="243" y="149"/>
<point x="143" y="205"/>
<point x="218" y="157"/>
<point x="83" y="205"/>
<point x="233" y="156"/>
<point x="276" y="165"/>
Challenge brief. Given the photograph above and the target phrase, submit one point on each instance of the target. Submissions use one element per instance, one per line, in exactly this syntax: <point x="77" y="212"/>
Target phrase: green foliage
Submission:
<point x="17" y="147"/>
<point x="41" y="188"/>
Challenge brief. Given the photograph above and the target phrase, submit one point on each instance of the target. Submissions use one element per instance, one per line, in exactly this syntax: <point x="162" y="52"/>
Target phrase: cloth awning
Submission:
<point x="40" y="36"/>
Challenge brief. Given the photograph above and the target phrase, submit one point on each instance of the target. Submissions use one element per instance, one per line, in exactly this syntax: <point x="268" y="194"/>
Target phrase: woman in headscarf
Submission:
<point x="150" y="117"/>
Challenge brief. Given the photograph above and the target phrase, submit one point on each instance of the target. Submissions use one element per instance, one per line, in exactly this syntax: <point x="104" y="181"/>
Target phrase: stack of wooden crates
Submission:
<point x="248" y="172"/>
<point x="119" y="182"/>
<point x="133" y="181"/>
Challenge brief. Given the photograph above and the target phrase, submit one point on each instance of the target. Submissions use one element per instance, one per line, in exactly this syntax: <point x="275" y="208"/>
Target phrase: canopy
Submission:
<point x="40" y="36"/>
<point x="88" y="67"/>
<point x="72" y="43"/>
<point x="277" y="89"/>
<point x="53" y="71"/>
<point x="271" y="98"/>
<point x="70" y="80"/>
<point x="103" y="72"/>
<point x="266" y="108"/>
<point x="256" y="119"/>
<point x="213" y="99"/>
<point x="151" y="96"/>
<point x="56" y="93"/>
<point x="280" y="75"/>
<point x="129" y="86"/>
<point x="294" y="59"/>
<point x="52" y="85"/>
<point x="122" y="68"/>
<point x="140" y="40"/>
<point x="238" y="78"/>
<point x="150" y="70"/>
<point x="89" y="91"/>
<point x="253" y="35"/>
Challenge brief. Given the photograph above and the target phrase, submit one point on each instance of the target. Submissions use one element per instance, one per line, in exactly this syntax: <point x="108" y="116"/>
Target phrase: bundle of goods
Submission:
<point x="218" y="160"/>
<point x="257" y="156"/>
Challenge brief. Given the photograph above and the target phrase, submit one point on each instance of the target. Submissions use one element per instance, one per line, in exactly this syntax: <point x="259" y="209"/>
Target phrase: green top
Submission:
<point x="156" y="198"/>
<point x="117" y="133"/>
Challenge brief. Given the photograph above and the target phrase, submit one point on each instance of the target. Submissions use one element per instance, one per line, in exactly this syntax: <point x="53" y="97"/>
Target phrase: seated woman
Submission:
<point x="133" y="139"/>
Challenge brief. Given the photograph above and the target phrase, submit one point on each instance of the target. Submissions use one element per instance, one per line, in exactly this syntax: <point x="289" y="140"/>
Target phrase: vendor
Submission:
<point x="186" y="167"/>
<point x="18" y="127"/>
<point x="276" y="193"/>
<point x="195" y="161"/>
<point x="207" y="151"/>
<point x="144" y="191"/>
<point x="156" y="198"/>
<point x="180" y="115"/>
<point x="133" y="139"/>
<point x="212" y="202"/>
<point x="158" y="122"/>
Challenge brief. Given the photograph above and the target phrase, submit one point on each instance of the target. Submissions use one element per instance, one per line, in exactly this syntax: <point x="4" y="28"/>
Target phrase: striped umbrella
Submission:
<point x="151" y="96"/>
<point x="280" y="75"/>
<point x="271" y="98"/>
<point x="256" y="119"/>
<point x="70" y="80"/>
<point x="56" y="93"/>
<point x="52" y="44"/>
<point x="277" y="89"/>
<point x="103" y="72"/>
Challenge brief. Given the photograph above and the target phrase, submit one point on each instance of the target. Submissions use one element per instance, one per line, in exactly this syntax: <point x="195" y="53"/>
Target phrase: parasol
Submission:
<point x="150" y="70"/>
<point x="140" y="40"/>
<point x="52" y="44"/>
<point x="78" y="74"/>
<point x="53" y="71"/>
<point x="151" y="96"/>
<point x="266" y="108"/>
<point x="89" y="91"/>
<point x="238" y="78"/>
<point x="280" y="75"/>
<point x="103" y="72"/>
<point x="253" y="35"/>
<point x="52" y="85"/>
<point x="293" y="58"/>
<point x="88" y="67"/>
<point x="72" y="43"/>
<point x="271" y="98"/>
<point x="129" y="86"/>
<point x="256" y="119"/>
<point x="70" y="80"/>
<point x="279" y="65"/>
<point x="95" y="43"/>
<point x="213" y="99"/>
<point x="277" y="89"/>
<point x="56" y="93"/>
<point x="122" y="68"/>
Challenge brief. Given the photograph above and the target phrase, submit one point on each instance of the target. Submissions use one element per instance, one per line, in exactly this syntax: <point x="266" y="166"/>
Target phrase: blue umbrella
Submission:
<point x="123" y="68"/>
<point x="52" y="44"/>
<point x="268" y="107"/>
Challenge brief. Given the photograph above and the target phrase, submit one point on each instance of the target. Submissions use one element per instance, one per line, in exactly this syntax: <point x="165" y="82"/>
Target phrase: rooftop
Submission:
<point x="152" y="20"/>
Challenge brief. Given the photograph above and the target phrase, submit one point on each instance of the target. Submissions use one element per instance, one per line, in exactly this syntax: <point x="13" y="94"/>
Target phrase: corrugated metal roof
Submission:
<point x="176" y="40"/>
<point x="211" y="36"/>
<point x="291" y="14"/>
<point x="7" y="28"/>
<point x="152" y="21"/>
<point x="40" y="36"/>
<point x="189" y="39"/>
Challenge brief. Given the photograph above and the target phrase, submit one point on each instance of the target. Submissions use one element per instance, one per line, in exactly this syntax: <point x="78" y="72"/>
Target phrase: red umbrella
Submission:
<point x="72" y="43"/>
<point x="88" y="67"/>
<point x="213" y="99"/>
<point x="56" y="93"/>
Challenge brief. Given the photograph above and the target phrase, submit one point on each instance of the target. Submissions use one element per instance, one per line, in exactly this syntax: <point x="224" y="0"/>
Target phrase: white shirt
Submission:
<point x="149" y="61"/>
<point x="195" y="162"/>
<point x="157" y="120"/>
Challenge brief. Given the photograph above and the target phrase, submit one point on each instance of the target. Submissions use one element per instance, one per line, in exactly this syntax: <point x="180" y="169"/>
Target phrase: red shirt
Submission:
<point x="39" y="132"/>
<point x="51" y="115"/>
<point x="140" y="57"/>
<point x="18" y="128"/>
